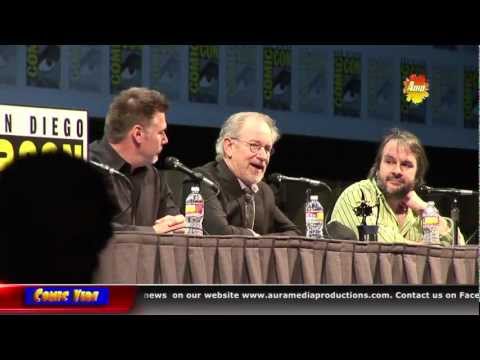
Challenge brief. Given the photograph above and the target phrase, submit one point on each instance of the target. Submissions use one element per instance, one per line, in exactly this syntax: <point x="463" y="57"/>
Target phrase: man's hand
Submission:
<point x="170" y="223"/>
<point x="414" y="202"/>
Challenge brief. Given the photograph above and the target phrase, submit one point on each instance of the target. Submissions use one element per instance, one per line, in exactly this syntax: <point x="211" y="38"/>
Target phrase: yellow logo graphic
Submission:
<point x="415" y="88"/>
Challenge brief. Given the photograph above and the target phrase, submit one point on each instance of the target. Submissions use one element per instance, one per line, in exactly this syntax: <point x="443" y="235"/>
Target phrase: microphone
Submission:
<point x="448" y="191"/>
<point x="108" y="169"/>
<point x="278" y="178"/>
<point x="175" y="164"/>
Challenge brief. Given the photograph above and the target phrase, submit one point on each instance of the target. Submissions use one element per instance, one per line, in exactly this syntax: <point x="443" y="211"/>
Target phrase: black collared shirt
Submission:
<point x="151" y="197"/>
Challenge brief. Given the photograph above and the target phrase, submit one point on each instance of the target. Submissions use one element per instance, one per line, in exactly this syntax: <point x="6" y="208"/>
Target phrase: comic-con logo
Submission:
<point x="415" y="88"/>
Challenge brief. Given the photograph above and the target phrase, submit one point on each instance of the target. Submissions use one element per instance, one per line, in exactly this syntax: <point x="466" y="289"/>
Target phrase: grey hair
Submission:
<point x="232" y="126"/>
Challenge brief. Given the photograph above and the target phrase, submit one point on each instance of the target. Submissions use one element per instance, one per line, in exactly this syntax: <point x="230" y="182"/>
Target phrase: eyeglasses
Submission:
<point x="255" y="148"/>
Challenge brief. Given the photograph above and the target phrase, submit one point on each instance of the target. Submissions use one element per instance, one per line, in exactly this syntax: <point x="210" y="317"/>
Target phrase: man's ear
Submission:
<point x="137" y="133"/>
<point x="227" y="147"/>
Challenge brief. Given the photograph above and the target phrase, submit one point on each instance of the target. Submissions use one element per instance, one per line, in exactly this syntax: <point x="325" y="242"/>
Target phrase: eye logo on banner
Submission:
<point x="85" y="68"/>
<point x="347" y="84"/>
<point x="43" y="66"/>
<point x="166" y="70"/>
<point x="204" y="74"/>
<point x="125" y="67"/>
<point x="415" y="88"/>
<point x="277" y="78"/>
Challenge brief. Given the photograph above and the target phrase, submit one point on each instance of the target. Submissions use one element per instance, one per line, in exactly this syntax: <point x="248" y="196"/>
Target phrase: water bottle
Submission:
<point x="431" y="224"/>
<point x="194" y="210"/>
<point x="314" y="218"/>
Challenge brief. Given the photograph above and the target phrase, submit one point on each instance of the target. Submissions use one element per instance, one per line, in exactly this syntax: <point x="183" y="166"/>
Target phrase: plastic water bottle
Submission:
<point x="194" y="210"/>
<point x="431" y="224"/>
<point x="314" y="218"/>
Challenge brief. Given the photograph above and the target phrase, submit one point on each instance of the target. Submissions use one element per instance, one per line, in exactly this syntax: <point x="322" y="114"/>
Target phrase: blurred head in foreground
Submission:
<point x="55" y="217"/>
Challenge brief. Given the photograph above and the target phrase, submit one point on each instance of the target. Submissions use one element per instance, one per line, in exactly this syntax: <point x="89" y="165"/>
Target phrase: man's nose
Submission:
<point x="262" y="154"/>
<point x="397" y="170"/>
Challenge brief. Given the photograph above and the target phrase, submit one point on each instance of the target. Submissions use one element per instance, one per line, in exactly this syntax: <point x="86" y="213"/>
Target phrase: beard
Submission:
<point x="398" y="193"/>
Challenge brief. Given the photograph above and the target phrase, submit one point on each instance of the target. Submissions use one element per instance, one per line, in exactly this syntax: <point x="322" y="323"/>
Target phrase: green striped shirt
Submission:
<point x="389" y="230"/>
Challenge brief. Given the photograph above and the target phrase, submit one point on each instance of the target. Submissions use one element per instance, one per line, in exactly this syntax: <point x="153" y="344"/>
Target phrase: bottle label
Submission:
<point x="194" y="209"/>
<point x="431" y="220"/>
<point x="190" y="209"/>
<point x="317" y="215"/>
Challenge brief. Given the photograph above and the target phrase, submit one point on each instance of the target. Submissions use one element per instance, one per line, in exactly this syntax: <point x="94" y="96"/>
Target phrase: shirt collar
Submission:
<point x="113" y="159"/>
<point x="229" y="176"/>
<point x="253" y="188"/>
<point x="379" y="193"/>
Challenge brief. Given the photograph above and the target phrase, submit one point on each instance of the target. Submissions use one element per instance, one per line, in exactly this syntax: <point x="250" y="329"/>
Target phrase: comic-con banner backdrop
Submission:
<point x="312" y="78"/>
<point x="277" y="78"/>
<point x="8" y="65"/>
<point x="166" y="70"/>
<point x="380" y="75"/>
<point x="86" y="68"/>
<point x="43" y="66"/>
<point x="203" y="74"/>
<point x="125" y="67"/>
<point x="241" y="76"/>
<point x="322" y="86"/>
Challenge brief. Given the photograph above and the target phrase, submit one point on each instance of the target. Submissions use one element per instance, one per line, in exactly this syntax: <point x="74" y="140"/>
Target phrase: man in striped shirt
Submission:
<point x="400" y="166"/>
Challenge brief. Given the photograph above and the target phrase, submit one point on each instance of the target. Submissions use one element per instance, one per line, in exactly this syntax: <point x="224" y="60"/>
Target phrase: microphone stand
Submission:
<point x="282" y="196"/>
<point x="455" y="216"/>
<point x="454" y="213"/>
<point x="453" y="195"/>
<point x="308" y="192"/>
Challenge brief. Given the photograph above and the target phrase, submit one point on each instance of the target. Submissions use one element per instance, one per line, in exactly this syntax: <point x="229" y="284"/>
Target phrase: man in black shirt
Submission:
<point x="135" y="134"/>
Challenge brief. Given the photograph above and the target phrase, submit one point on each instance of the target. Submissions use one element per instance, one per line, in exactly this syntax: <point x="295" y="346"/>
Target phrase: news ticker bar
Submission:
<point x="166" y="299"/>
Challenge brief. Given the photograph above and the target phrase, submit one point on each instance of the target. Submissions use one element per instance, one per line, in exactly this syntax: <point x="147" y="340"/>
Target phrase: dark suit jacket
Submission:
<point x="224" y="214"/>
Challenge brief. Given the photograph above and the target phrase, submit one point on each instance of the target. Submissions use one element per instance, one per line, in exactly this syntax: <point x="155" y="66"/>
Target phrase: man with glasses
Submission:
<point x="245" y="205"/>
<point x="135" y="134"/>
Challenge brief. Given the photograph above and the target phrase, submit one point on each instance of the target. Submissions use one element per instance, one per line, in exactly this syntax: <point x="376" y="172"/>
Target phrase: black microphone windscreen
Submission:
<point x="171" y="162"/>
<point x="274" y="178"/>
